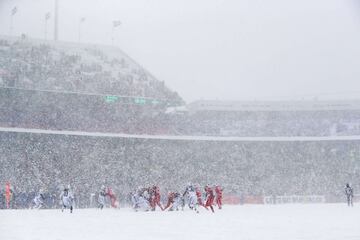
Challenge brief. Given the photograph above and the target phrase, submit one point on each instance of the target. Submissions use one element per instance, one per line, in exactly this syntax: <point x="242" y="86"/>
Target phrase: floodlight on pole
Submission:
<point x="13" y="12"/>
<point x="80" y="23"/>
<point x="115" y="24"/>
<point x="47" y="17"/>
<point x="56" y="20"/>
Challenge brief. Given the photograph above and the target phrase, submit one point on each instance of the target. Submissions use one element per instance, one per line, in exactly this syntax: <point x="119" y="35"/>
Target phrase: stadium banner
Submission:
<point x="235" y="199"/>
<point x="253" y="200"/>
<point x="231" y="199"/>
<point x="294" y="199"/>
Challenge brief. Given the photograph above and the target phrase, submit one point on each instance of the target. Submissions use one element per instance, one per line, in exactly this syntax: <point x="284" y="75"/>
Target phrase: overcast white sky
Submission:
<point x="220" y="49"/>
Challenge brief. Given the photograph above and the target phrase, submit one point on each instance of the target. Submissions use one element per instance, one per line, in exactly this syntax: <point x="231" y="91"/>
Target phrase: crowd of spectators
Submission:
<point x="94" y="113"/>
<point x="59" y="111"/>
<point x="32" y="161"/>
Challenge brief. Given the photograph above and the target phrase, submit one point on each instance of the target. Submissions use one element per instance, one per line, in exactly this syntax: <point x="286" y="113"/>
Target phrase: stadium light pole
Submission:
<point x="80" y="23"/>
<point x="13" y="12"/>
<point x="56" y="18"/>
<point x="47" y="17"/>
<point x="115" y="24"/>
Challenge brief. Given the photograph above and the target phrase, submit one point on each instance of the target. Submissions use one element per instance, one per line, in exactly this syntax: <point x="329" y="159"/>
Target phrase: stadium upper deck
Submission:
<point x="80" y="68"/>
<point x="79" y="87"/>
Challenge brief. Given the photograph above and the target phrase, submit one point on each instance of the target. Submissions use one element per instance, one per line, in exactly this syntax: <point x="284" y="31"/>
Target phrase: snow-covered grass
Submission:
<point x="280" y="222"/>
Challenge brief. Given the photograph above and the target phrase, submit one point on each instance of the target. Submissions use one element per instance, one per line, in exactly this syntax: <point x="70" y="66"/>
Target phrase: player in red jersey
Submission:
<point x="155" y="197"/>
<point x="209" y="198"/>
<point x="199" y="197"/>
<point x="112" y="196"/>
<point x="218" y="198"/>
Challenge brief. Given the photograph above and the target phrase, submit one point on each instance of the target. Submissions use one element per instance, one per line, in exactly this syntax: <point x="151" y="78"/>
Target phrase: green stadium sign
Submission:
<point x="155" y="102"/>
<point x="111" y="99"/>
<point x="140" y="101"/>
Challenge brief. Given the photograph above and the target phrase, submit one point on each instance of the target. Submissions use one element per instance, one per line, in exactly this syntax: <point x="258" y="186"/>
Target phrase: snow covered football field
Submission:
<point x="280" y="222"/>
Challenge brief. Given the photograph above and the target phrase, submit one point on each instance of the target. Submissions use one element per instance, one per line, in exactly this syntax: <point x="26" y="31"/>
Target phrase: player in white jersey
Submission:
<point x="139" y="201"/>
<point x="177" y="202"/>
<point x="191" y="197"/>
<point x="101" y="198"/>
<point x="39" y="200"/>
<point x="134" y="199"/>
<point x="67" y="199"/>
<point x="349" y="192"/>
<point x="143" y="203"/>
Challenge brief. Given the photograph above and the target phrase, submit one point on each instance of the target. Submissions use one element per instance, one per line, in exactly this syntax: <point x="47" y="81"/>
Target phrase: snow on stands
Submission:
<point x="278" y="222"/>
<point x="62" y="64"/>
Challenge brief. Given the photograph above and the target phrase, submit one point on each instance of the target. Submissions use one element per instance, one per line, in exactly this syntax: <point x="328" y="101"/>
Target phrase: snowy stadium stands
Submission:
<point x="81" y="68"/>
<point x="34" y="159"/>
<point x="78" y="87"/>
<point x="271" y="118"/>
